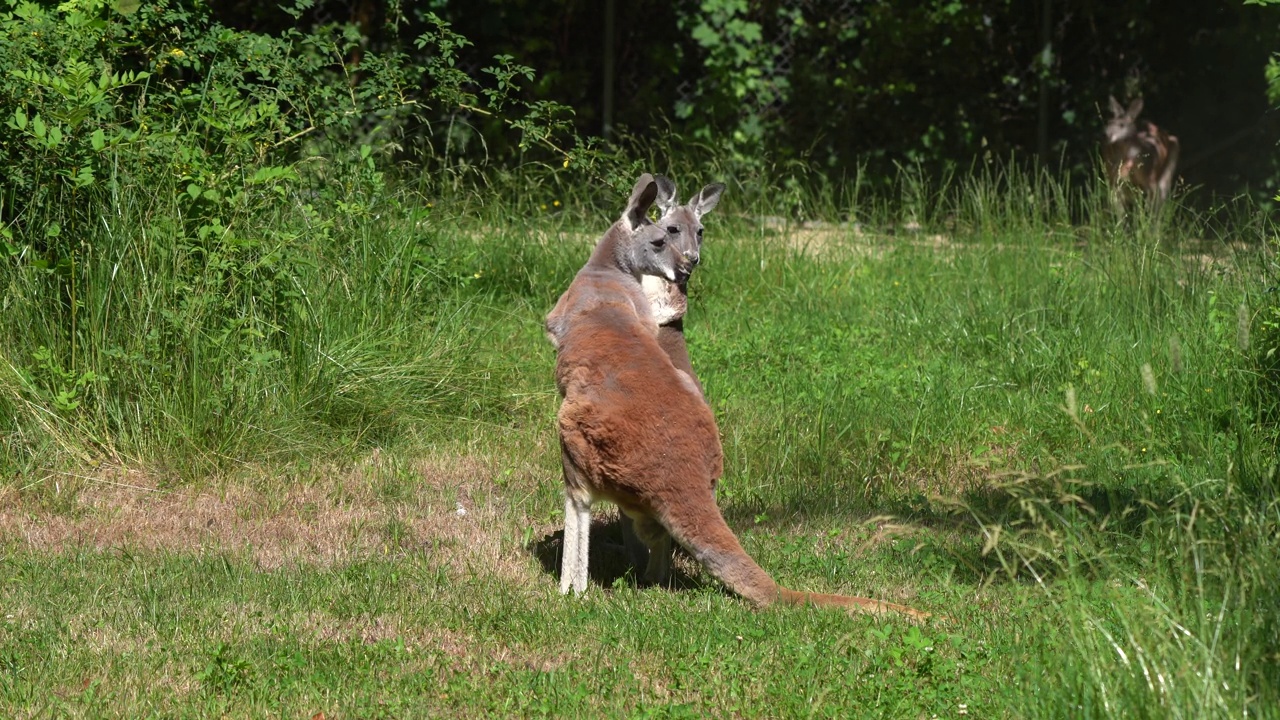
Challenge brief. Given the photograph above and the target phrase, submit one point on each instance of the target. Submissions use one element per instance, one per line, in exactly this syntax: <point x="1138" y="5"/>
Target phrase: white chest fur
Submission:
<point x="666" y="300"/>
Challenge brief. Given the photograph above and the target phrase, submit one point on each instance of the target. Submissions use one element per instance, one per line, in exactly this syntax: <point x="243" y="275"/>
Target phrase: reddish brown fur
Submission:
<point x="671" y="340"/>
<point x="635" y="432"/>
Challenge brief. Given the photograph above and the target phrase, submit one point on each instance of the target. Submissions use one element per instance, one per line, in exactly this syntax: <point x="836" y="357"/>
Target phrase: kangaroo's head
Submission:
<point x="683" y="223"/>
<point x="1123" y="122"/>
<point x="643" y="248"/>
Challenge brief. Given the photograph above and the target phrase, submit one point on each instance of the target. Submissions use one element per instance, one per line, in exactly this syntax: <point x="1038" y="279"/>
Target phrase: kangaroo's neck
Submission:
<point x="612" y="253"/>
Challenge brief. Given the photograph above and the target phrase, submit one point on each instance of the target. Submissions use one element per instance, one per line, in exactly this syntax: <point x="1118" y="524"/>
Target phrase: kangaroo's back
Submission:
<point x="629" y="420"/>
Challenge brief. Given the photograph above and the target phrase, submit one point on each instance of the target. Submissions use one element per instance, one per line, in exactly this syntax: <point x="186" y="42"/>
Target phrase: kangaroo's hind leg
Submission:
<point x="637" y="551"/>
<point x="659" y="545"/>
<point x="577" y="529"/>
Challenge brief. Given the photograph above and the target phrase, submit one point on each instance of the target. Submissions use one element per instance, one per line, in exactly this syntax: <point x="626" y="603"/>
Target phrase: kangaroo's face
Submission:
<point x="655" y="254"/>
<point x="1122" y="122"/>
<point x="646" y="249"/>
<point x="682" y="224"/>
<point x="683" y="232"/>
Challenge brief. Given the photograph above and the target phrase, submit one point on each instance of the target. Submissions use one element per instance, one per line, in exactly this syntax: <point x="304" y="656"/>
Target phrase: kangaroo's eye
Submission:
<point x="673" y="230"/>
<point x="699" y="233"/>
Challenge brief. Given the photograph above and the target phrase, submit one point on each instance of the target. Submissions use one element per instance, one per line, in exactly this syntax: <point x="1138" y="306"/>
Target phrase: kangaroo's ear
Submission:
<point x="642" y="197"/>
<point x="1135" y="108"/>
<point x="706" y="200"/>
<point x="1117" y="109"/>
<point x="666" y="199"/>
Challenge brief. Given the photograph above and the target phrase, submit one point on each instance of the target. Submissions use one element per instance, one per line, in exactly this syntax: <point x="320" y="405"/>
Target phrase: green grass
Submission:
<point x="385" y="637"/>
<point x="1025" y="415"/>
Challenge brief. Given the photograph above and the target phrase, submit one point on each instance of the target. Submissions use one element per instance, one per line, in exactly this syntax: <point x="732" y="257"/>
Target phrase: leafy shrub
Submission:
<point x="183" y="195"/>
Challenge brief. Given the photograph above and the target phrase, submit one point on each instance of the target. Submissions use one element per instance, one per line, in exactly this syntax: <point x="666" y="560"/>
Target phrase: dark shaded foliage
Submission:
<point x="876" y="82"/>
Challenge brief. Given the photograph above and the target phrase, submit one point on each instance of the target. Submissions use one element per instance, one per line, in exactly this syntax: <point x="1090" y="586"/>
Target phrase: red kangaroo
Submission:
<point x="636" y="431"/>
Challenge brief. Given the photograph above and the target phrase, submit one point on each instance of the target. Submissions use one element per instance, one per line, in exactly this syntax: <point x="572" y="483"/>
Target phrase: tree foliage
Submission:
<point x="841" y="83"/>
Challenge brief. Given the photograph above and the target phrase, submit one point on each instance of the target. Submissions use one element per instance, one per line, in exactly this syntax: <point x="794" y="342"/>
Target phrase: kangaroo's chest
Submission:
<point x="668" y="301"/>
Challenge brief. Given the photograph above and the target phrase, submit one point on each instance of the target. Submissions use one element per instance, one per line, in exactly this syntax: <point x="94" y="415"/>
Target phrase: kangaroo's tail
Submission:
<point x="694" y="521"/>
<point x="851" y="603"/>
<point x="700" y="528"/>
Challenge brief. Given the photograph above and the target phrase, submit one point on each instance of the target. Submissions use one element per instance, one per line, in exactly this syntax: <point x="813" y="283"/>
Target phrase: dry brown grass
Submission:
<point x="450" y="504"/>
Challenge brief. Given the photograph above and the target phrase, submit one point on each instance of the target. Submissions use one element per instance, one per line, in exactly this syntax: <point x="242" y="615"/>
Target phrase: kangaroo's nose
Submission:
<point x="693" y="258"/>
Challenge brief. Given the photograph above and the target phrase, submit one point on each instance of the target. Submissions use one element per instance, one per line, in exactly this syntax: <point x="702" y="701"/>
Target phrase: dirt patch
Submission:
<point x="112" y="516"/>
<point x="379" y="506"/>
<point x="819" y="239"/>
<point x="1222" y="258"/>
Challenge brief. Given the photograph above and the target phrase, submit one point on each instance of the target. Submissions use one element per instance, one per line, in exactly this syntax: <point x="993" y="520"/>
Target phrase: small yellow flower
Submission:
<point x="556" y="203"/>
<point x="176" y="52"/>
<point x="543" y="206"/>
<point x="477" y="276"/>
<point x="566" y="162"/>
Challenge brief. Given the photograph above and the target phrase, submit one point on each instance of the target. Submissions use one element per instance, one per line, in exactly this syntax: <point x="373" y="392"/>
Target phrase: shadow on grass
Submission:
<point x="608" y="563"/>
<point x="1045" y="528"/>
<point x="1041" y="526"/>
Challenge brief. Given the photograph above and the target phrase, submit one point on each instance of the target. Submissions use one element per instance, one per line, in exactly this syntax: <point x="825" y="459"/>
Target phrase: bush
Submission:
<point x="181" y="199"/>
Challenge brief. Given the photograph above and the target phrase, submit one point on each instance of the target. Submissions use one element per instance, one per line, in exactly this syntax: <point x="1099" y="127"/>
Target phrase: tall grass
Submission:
<point x="1062" y="399"/>
<point x="1084" y="396"/>
<point x="206" y="341"/>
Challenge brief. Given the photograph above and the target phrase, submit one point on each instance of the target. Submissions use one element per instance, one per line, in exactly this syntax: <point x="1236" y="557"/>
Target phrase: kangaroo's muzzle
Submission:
<point x="683" y="271"/>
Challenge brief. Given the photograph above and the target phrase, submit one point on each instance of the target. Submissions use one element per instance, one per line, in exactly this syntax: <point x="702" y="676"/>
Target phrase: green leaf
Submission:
<point x="706" y="36"/>
<point x="98" y="140"/>
<point x="37" y="126"/>
<point x="127" y="7"/>
<point x="66" y="400"/>
<point x="20" y="117"/>
<point x="194" y="191"/>
<point x="271" y="172"/>
<point x="55" y="136"/>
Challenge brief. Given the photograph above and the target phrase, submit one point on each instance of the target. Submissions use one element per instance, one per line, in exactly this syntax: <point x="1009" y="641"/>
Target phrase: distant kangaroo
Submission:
<point x="635" y="430"/>
<point x="1138" y="155"/>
